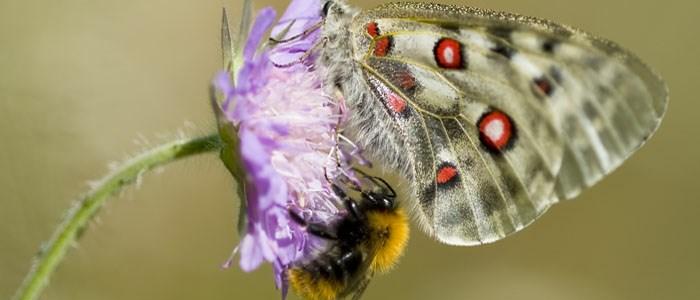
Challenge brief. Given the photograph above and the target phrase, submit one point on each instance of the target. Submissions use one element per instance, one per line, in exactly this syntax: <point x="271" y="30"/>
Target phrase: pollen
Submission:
<point x="391" y="229"/>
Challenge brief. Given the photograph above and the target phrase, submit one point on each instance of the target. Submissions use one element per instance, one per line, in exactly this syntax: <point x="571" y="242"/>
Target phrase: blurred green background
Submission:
<point x="81" y="81"/>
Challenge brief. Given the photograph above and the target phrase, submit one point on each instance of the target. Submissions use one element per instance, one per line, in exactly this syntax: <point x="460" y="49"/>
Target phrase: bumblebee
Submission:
<point x="369" y="238"/>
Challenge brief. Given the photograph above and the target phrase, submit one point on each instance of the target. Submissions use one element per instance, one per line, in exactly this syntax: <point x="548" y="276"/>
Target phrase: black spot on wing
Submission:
<point x="501" y="32"/>
<point x="460" y="216"/>
<point x="555" y="73"/>
<point x="450" y="27"/>
<point x="550" y="45"/>
<point x="590" y="110"/>
<point x="503" y="50"/>
<point x="491" y="199"/>
<point x="426" y="199"/>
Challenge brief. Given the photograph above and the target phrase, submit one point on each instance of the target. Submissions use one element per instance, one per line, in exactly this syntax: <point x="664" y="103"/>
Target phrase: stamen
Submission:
<point x="229" y="262"/>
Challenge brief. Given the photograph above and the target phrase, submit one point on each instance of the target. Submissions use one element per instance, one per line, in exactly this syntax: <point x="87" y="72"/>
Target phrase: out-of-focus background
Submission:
<point x="81" y="81"/>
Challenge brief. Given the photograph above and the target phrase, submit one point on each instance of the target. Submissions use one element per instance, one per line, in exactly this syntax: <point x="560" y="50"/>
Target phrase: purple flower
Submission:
<point x="287" y="135"/>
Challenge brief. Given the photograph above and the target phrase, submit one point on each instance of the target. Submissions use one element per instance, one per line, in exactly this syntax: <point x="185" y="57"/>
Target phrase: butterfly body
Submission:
<point x="492" y="117"/>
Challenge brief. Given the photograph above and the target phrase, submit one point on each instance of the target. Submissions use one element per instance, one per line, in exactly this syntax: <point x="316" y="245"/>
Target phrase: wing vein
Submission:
<point x="509" y="204"/>
<point x="483" y="161"/>
<point x="432" y="154"/>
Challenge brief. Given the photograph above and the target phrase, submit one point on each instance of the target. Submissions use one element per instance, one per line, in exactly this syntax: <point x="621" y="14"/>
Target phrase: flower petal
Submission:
<point x="251" y="258"/>
<point x="300" y="11"/>
<point x="263" y="21"/>
<point x="300" y="16"/>
<point x="287" y="135"/>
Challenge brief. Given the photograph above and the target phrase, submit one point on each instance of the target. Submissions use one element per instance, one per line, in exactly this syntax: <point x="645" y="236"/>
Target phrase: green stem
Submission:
<point x="77" y="217"/>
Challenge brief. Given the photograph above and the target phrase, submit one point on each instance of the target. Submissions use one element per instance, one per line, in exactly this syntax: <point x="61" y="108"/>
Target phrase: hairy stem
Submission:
<point x="68" y="231"/>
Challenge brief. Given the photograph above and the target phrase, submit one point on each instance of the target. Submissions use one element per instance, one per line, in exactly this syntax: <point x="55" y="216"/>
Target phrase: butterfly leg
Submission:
<point x="304" y="33"/>
<point x="301" y="59"/>
<point x="356" y="151"/>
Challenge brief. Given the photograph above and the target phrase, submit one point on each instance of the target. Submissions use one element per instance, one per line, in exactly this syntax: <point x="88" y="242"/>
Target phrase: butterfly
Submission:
<point x="492" y="117"/>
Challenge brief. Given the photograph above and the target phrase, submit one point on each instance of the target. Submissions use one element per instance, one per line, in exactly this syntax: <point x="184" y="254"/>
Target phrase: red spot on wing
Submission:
<point x="382" y="46"/>
<point x="448" y="54"/>
<point x="373" y="29"/>
<point x="396" y="103"/>
<point x="446" y="173"/>
<point x="406" y="80"/>
<point x="496" y="130"/>
<point x="544" y="86"/>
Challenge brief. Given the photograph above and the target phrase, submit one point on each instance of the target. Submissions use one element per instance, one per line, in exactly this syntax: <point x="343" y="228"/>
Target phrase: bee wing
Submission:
<point x="356" y="288"/>
<point x="501" y="115"/>
<point x="361" y="287"/>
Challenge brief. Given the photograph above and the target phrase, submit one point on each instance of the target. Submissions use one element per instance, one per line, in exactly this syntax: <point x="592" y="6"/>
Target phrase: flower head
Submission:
<point x="286" y="126"/>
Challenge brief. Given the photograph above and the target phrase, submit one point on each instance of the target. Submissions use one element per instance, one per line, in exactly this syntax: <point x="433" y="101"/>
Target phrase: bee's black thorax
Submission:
<point x="353" y="239"/>
<point x="351" y="232"/>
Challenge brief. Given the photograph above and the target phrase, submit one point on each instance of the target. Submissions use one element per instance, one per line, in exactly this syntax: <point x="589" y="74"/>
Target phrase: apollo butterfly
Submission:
<point x="492" y="117"/>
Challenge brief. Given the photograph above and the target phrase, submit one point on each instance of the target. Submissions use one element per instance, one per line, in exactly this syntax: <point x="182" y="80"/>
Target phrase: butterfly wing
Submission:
<point x="501" y="115"/>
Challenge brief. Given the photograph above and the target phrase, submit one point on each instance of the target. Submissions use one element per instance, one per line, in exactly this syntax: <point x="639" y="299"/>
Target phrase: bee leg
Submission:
<point x="339" y="268"/>
<point x="350" y="204"/>
<point x="354" y="209"/>
<point x="320" y="230"/>
<point x="350" y="261"/>
<point x="296" y="217"/>
<point x="339" y="192"/>
<point x="332" y="268"/>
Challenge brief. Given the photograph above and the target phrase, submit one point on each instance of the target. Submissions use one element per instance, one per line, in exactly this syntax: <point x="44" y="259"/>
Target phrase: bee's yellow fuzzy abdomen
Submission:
<point x="392" y="230"/>
<point x="312" y="287"/>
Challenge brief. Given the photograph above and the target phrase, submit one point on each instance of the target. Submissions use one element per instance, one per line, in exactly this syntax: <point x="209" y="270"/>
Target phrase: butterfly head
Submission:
<point x="332" y="8"/>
